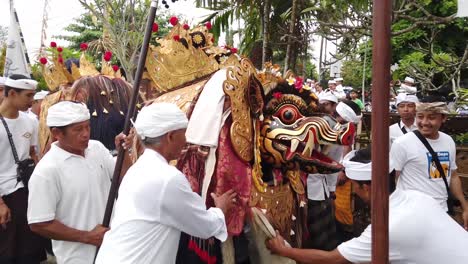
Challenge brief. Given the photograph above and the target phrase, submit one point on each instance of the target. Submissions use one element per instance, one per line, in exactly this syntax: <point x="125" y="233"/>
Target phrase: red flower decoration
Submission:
<point x="155" y="27"/>
<point x="233" y="50"/>
<point x="208" y="25"/>
<point x="53" y="44"/>
<point x="186" y="27"/>
<point x="43" y="60"/>
<point x="115" y="67"/>
<point x="298" y="83"/>
<point x="60" y="60"/>
<point x="107" y="56"/>
<point x="59" y="49"/>
<point x="176" y="37"/>
<point x="277" y="95"/>
<point x="173" y="20"/>
<point x="212" y="40"/>
<point x="83" y="46"/>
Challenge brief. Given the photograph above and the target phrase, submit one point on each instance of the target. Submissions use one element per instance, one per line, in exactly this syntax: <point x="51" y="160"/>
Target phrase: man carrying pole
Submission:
<point x="68" y="188"/>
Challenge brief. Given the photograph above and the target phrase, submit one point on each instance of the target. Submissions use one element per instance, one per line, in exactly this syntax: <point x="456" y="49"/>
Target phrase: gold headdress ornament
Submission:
<point x="55" y="73"/>
<point x="181" y="57"/>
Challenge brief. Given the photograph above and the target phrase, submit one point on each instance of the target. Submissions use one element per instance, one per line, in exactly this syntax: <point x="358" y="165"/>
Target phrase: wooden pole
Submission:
<point x="130" y="113"/>
<point x="382" y="10"/>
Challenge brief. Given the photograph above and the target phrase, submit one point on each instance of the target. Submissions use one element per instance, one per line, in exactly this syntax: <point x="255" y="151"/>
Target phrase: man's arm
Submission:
<point x="456" y="189"/>
<point x="58" y="231"/>
<point x="185" y="210"/>
<point x="277" y="246"/>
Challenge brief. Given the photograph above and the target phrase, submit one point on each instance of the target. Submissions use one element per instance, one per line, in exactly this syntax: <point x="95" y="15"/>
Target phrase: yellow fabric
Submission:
<point x="343" y="208"/>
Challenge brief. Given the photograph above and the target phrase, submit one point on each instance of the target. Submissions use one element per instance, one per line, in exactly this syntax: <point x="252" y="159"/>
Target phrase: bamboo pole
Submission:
<point x="382" y="10"/>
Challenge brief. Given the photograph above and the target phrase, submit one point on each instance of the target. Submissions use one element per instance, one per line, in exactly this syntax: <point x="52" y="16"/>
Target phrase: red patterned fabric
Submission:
<point x="232" y="173"/>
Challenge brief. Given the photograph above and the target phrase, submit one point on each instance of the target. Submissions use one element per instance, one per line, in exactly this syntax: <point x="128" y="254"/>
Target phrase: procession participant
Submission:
<point x="318" y="89"/>
<point x="339" y="84"/>
<point x="415" y="167"/>
<point x="70" y="185"/>
<point x="328" y="102"/>
<point x="17" y="244"/>
<point x="332" y="87"/>
<point x="35" y="109"/>
<point x="406" y="107"/>
<point x="355" y="98"/>
<point x="413" y="239"/>
<point x="408" y="86"/>
<point x="349" y="221"/>
<point x="156" y="202"/>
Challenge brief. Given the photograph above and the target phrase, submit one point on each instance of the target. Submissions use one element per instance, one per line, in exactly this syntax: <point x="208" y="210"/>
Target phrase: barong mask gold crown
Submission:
<point x="183" y="56"/>
<point x="56" y="73"/>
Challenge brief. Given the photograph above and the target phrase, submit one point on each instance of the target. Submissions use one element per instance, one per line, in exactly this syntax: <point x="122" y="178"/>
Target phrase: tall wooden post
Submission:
<point x="382" y="10"/>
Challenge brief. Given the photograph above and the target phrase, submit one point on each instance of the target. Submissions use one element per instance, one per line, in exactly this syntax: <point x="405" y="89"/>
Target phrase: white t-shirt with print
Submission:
<point x="420" y="232"/>
<point x="73" y="190"/>
<point x="24" y="133"/>
<point x="413" y="160"/>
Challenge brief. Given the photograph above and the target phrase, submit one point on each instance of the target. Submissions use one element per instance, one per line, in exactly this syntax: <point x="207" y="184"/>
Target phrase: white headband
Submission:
<point x="25" y="84"/>
<point x="66" y="113"/>
<point x="328" y="96"/>
<point x="356" y="170"/>
<point x="403" y="97"/>
<point x="159" y="119"/>
<point x="40" y="95"/>
<point x="2" y="80"/>
<point x="347" y="113"/>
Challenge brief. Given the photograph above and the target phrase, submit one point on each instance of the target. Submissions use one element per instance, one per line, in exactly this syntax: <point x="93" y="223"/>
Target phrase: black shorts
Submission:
<point x="18" y="244"/>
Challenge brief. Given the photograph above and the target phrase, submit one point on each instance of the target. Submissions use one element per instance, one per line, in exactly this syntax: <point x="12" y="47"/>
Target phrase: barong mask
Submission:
<point x="292" y="131"/>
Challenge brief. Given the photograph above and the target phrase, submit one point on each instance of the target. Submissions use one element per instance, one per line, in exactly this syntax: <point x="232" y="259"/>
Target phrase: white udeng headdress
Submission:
<point x="66" y="113"/>
<point x="158" y="119"/>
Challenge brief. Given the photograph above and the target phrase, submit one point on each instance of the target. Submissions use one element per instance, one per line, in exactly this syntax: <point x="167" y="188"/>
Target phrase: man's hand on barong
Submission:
<point x="225" y="201"/>
<point x="276" y="245"/>
<point x="95" y="236"/>
<point x="122" y="140"/>
<point x="5" y="214"/>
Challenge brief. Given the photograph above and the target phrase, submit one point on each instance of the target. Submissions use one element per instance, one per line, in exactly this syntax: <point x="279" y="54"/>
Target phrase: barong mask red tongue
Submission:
<point x="291" y="134"/>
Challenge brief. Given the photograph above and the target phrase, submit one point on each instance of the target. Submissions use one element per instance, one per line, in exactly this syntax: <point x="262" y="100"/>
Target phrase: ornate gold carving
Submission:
<point x="172" y="64"/>
<point x="294" y="177"/>
<point x="278" y="201"/>
<point x="236" y="86"/>
<point x="182" y="97"/>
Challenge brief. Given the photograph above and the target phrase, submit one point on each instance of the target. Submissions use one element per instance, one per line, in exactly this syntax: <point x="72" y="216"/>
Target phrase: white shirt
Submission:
<point x="24" y="134"/>
<point x="73" y="190"/>
<point x="155" y="204"/>
<point x="420" y="232"/>
<point x="395" y="130"/>
<point x="319" y="185"/>
<point x="413" y="160"/>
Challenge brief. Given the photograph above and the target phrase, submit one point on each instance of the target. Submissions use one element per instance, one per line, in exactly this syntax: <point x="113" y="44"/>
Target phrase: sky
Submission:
<point x="62" y="12"/>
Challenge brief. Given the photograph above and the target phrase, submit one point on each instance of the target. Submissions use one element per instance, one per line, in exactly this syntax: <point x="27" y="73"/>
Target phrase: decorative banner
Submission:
<point x="17" y="61"/>
<point x="462" y="8"/>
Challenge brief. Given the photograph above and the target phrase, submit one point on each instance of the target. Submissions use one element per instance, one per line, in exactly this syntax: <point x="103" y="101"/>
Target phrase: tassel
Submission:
<point x="94" y="113"/>
<point x="105" y="111"/>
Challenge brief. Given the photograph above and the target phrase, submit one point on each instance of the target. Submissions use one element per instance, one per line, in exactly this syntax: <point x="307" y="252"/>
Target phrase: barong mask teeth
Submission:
<point x="291" y="133"/>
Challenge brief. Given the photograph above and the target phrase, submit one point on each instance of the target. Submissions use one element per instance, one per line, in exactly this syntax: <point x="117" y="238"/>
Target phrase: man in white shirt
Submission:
<point x="419" y="230"/>
<point x="415" y="169"/>
<point x="35" y="109"/>
<point x="406" y="107"/>
<point x="17" y="243"/>
<point x="69" y="187"/>
<point x="156" y="201"/>
<point x="320" y="192"/>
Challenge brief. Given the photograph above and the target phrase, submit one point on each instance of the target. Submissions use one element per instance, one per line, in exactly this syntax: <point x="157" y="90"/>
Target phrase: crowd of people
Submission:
<point x="65" y="196"/>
